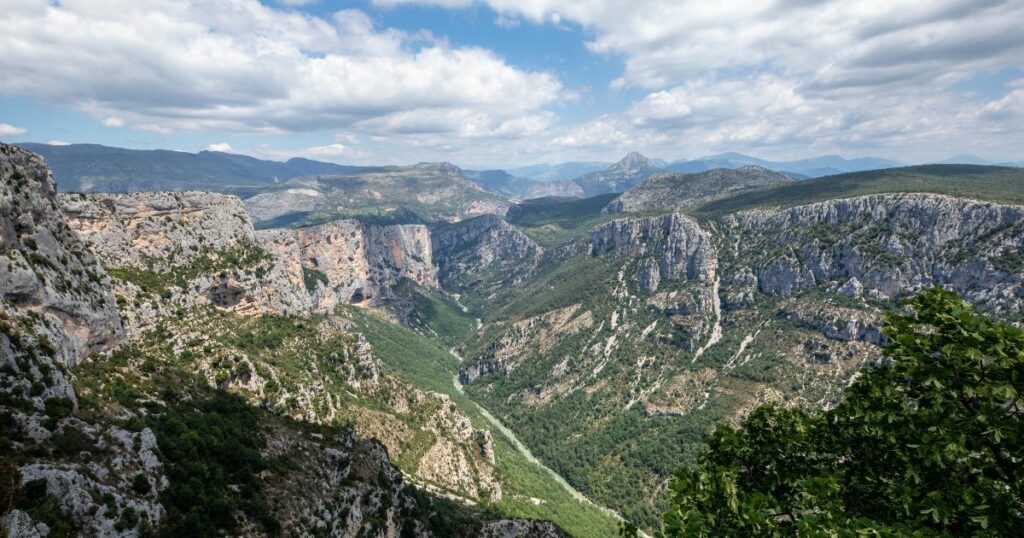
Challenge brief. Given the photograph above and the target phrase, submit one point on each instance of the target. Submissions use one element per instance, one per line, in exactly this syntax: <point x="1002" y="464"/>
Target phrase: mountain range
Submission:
<point x="397" y="351"/>
<point x="93" y="167"/>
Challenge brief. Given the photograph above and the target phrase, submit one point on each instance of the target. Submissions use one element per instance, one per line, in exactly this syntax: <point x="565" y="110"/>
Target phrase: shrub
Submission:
<point x="931" y="443"/>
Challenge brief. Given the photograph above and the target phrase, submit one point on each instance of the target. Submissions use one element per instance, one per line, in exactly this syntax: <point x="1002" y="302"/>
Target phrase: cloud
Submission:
<point x="240" y="66"/>
<point x="220" y="146"/>
<point x="791" y="77"/>
<point x="840" y="43"/>
<point x="10" y="130"/>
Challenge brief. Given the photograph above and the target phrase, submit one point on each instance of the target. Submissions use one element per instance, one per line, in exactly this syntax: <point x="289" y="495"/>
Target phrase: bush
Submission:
<point x="141" y="485"/>
<point x="931" y="443"/>
<point x="212" y="458"/>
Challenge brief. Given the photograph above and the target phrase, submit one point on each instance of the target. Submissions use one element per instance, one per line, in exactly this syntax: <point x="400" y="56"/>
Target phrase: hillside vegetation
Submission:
<point x="928" y="444"/>
<point x="989" y="183"/>
<point x="552" y="221"/>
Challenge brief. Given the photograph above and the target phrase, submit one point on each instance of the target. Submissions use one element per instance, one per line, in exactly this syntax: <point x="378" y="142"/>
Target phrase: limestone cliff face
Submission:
<point x="885" y="246"/>
<point x="464" y="251"/>
<point x="160" y="229"/>
<point x="53" y="290"/>
<point x="350" y="262"/>
<point x="669" y="247"/>
<point x="200" y="248"/>
<point x="56" y="308"/>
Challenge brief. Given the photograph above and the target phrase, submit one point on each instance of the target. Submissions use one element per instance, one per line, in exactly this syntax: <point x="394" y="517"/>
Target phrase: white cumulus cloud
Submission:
<point x="10" y="130"/>
<point x="239" y="65"/>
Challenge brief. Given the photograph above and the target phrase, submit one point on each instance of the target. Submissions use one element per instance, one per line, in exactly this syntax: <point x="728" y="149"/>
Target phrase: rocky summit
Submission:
<point x="457" y="362"/>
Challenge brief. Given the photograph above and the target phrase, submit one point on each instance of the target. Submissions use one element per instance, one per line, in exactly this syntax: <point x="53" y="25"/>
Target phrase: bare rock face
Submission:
<point x="56" y="308"/>
<point x="157" y="229"/>
<point x="271" y="205"/>
<point x="350" y="262"/>
<point x="52" y="290"/>
<point x="885" y="246"/>
<point x="670" y="247"/>
<point x="186" y="249"/>
<point x="339" y="487"/>
<point x="464" y="250"/>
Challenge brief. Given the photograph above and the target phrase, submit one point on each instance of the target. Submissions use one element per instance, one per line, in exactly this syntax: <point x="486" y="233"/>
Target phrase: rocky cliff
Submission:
<point x="669" y="247"/>
<point x="349" y="262"/>
<point x="664" y="327"/>
<point x="54" y="293"/>
<point x="114" y="452"/>
<point x="156" y="230"/>
<point x="57" y="308"/>
<point x="483" y="251"/>
<point x="885" y="246"/>
<point x="173" y="250"/>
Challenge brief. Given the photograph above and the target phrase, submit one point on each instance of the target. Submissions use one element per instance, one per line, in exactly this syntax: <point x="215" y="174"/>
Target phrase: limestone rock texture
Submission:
<point x="57" y="309"/>
<point x="53" y="290"/>
<point x="885" y="246"/>
<point x="484" y="250"/>
<point x="350" y="262"/>
<point x="156" y="229"/>
<point x="209" y="303"/>
<point x="670" y="247"/>
<point x="200" y="249"/>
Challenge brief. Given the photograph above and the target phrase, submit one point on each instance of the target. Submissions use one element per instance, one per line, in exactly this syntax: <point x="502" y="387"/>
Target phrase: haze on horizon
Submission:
<point x="500" y="83"/>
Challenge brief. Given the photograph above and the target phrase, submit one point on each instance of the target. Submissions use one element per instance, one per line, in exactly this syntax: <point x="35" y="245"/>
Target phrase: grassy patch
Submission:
<point x="243" y="255"/>
<point x="554" y="222"/>
<point x="989" y="183"/>
<point x="427" y="365"/>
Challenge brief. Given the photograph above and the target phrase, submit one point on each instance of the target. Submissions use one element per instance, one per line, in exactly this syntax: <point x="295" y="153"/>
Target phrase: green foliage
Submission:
<point x="931" y="443"/>
<point x="427" y="365"/>
<point x="311" y="277"/>
<point x="993" y="183"/>
<point x="243" y="255"/>
<point x="553" y="222"/>
<point x="211" y="454"/>
<point x="436" y="316"/>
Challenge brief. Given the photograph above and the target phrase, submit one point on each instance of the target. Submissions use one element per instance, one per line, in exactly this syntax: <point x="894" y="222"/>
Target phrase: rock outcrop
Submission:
<point x="349" y="262"/>
<point x="885" y="246"/>
<point x="188" y="249"/>
<point x="464" y="251"/>
<point x="669" y="247"/>
<point x="98" y="470"/>
<point x="54" y="293"/>
<point x="156" y="230"/>
<point x="619" y="177"/>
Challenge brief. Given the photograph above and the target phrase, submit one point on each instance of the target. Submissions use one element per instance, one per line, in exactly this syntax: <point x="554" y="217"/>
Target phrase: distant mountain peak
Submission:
<point x="443" y="167"/>
<point x="632" y="161"/>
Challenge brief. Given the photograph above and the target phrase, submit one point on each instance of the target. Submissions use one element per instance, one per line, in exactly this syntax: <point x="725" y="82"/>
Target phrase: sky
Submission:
<point x="505" y="83"/>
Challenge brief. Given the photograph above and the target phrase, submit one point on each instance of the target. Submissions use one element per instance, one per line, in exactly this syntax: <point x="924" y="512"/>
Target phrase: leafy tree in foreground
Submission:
<point x="929" y="444"/>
